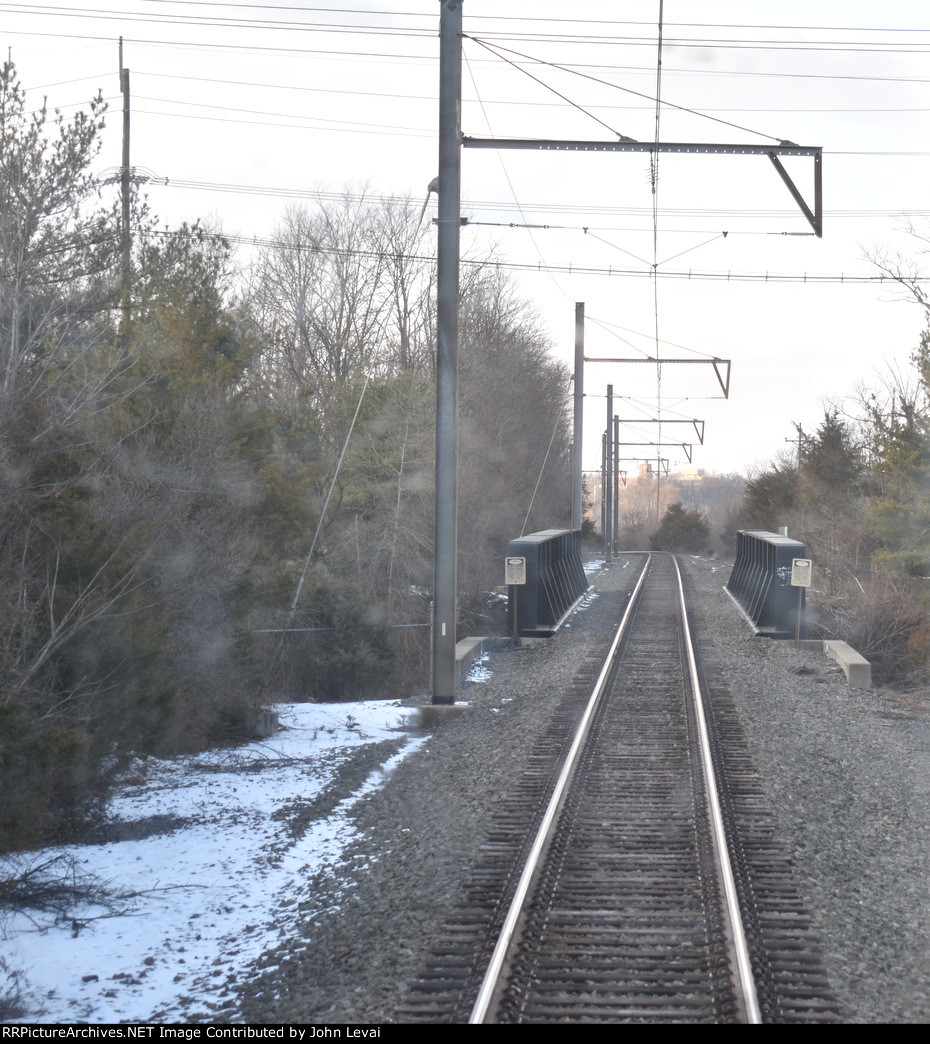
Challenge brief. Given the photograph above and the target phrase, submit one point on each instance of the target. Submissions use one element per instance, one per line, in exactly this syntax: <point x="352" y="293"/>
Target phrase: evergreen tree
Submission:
<point x="681" y="530"/>
<point x="771" y="496"/>
<point x="831" y="457"/>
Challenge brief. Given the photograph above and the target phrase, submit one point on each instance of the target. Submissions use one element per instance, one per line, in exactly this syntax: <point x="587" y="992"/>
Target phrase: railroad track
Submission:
<point x="634" y="877"/>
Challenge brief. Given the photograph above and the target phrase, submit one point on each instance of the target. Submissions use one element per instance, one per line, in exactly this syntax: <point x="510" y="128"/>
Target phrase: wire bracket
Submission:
<point x="785" y="148"/>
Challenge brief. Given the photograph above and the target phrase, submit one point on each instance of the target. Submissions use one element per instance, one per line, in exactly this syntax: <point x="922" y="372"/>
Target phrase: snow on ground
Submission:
<point x="480" y="672"/>
<point x="212" y="876"/>
<point x="191" y="906"/>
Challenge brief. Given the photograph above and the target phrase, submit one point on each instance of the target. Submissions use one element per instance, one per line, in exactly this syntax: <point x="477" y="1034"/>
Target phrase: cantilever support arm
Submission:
<point x="784" y="148"/>
<point x="663" y="460"/>
<point x="687" y="447"/>
<point x="723" y="377"/>
<point x="695" y="422"/>
<point x="815" y="218"/>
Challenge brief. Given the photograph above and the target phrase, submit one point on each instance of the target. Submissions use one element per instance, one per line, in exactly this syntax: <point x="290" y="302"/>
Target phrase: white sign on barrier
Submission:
<point x="514" y="570"/>
<point x="801" y="572"/>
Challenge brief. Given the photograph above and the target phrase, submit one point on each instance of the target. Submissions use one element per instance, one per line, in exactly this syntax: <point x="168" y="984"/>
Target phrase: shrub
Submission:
<point x="886" y="621"/>
<point x="681" y="530"/>
<point x="918" y="652"/>
<point x="344" y="654"/>
<point x="48" y="780"/>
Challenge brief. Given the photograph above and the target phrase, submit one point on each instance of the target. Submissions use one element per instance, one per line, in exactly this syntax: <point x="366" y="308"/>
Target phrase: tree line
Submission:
<point x="167" y="443"/>
<point x="857" y="492"/>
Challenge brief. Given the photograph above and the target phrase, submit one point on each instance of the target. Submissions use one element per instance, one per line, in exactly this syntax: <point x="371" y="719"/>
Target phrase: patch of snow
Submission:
<point x="479" y="671"/>
<point x="590" y="597"/>
<point x="188" y="910"/>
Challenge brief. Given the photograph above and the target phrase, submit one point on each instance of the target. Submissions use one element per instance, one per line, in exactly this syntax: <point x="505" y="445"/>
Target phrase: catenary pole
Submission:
<point x="616" y="508"/>
<point x="609" y="493"/>
<point x="577" y="506"/>
<point x="447" y="293"/>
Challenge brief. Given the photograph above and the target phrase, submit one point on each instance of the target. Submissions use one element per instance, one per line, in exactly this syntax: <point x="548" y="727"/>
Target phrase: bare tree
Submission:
<point x="409" y="273"/>
<point x="345" y="289"/>
<point x="906" y="269"/>
<point x="320" y="295"/>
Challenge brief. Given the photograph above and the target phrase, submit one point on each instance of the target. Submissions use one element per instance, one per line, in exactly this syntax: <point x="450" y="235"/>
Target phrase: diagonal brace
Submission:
<point x="815" y="218"/>
<point x="723" y="379"/>
<point x="695" y="422"/>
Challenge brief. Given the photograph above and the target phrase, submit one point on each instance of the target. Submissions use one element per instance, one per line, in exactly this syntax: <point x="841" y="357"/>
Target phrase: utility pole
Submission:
<point x="616" y="484"/>
<point x="125" y="232"/>
<point x="445" y="609"/>
<point x="577" y="506"/>
<point x="609" y="469"/>
<point x="800" y="440"/>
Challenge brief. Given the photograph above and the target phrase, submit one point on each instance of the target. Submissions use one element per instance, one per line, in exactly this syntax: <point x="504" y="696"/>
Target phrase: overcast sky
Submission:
<point x="245" y="106"/>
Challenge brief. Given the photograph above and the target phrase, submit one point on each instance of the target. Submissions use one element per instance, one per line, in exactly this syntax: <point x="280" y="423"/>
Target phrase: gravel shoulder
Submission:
<point x="846" y="773"/>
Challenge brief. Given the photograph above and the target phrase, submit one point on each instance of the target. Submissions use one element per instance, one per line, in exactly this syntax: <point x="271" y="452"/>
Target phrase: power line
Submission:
<point x="524" y="208"/>
<point x="381" y="128"/>
<point x="376" y="128"/>
<point x="520" y="103"/>
<point x="368" y="56"/>
<point x="424" y="34"/>
<point x="213" y="23"/>
<point x="348" y="124"/>
<point x="524" y="19"/>
<point x="318" y="53"/>
<point x="354" y="129"/>
<point x="811" y="278"/>
<point x="598" y="39"/>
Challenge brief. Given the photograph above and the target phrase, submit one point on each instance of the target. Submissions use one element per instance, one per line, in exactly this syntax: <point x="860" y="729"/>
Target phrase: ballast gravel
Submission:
<point x="847" y="774"/>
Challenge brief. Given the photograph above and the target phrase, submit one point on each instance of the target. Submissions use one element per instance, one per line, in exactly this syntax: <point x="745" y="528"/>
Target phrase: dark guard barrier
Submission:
<point x="555" y="581"/>
<point x="760" y="582"/>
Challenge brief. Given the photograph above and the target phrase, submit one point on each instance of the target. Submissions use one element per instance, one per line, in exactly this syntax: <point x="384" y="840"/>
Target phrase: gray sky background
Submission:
<point x="244" y="106"/>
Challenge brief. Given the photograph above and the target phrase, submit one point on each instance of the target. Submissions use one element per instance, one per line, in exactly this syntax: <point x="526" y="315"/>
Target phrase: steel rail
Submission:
<point x="491" y="978"/>
<point x="745" y="980"/>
